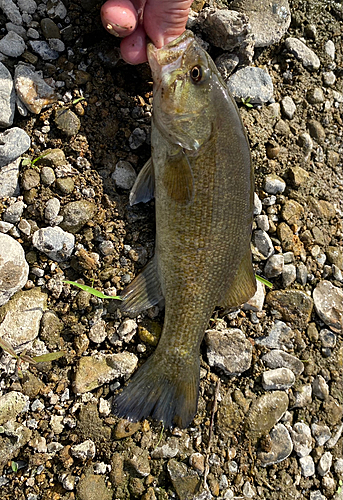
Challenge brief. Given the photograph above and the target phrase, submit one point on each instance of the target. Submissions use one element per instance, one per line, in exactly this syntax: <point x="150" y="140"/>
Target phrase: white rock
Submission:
<point x="307" y="466"/>
<point x="257" y="300"/>
<point x="124" y="175"/>
<point x="84" y="450"/>
<point x="12" y="45"/>
<point x="302" y="439"/>
<point x="288" y="107"/>
<point x="274" y="266"/>
<point x="330" y="49"/>
<point x="57" y="244"/>
<point x="7" y="97"/>
<point x="324" y="463"/>
<point x="32" y="90"/>
<point x="228" y="350"/>
<point x="127" y="330"/>
<point x="14" y="269"/>
<point x="320" y="387"/>
<point x="305" y="55"/>
<point x="278" y="379"/>
<point x="9" y="175"/>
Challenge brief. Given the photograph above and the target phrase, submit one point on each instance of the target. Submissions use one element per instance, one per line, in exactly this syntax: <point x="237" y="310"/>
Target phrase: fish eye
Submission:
<point x="196" y="74"/>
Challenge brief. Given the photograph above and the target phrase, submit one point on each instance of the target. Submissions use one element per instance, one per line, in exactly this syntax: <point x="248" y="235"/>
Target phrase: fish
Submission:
<point x="201" y="176"/>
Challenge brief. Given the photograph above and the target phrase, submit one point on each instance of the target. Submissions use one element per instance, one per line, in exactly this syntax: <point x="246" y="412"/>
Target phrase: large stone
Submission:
<point x="12" y="45"/>
<point x="295" y="306"/>
<point x="227" y="29"/>
<point x="7" y="97"/>
<point x="305" y="55"/>
<point x="57" y="244"/>
<point x="20" y="318"/>
<point x="76" y="214"/>
<point x="281" y="446"/>
<point x="13" y="143"/>
<point x="185" y="481"/>
<point x="251" y="83"/>
<point x="264" y="413"/>
<point x="229" y="350"/>
<point x="11" y="404"/>
<point x="9" y="175"/>
<point x="328" y="302"/>
<point x="32" y="90"/>
<point x="14" y="269"/>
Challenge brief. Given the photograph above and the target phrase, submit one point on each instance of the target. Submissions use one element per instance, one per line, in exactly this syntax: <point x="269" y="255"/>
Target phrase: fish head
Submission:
<point x="183" y="75"/>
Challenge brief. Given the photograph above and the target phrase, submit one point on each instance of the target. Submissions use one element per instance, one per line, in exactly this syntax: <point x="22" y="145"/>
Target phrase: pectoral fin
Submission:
<point x="145" y="291"/>
<point x="243" y="286"/>
<point x="144" y="187"/>
<point x="178" y="178"/>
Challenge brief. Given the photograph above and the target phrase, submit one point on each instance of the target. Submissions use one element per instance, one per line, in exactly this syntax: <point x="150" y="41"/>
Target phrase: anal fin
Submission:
<point x="144" y="186"/>
<point x="243" y="286"/>
<point x="145" y="291"/>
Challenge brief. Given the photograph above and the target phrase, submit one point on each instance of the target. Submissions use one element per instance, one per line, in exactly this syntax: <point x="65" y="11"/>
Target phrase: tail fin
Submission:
<point x="170" y="396"/>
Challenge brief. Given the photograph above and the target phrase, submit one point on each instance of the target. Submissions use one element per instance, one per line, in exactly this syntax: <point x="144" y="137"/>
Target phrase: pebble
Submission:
<point x="257" y="205"/>
<point x="124" y="175"/>
<point x="25" y="227"/>
<point x="289" y="274"/>
<point x="302" y="273"/>
<point x="67" y="121"/>
<point x="281" y="359"/>
<point x="269" y="22"/>
<point x="303" y="396"/>
<point x="11" y="405"/>
<point x="93" y="486"/>
<point x="104" y="407"/>
<point x="127" y="330"/>
<point x="49" y="28"/>
<point x="288" y="107"/>
<point x="84" y="451"/>
<point x="30" y="179"/>
<point x="335" y="256"/>
<point x="278" y="379"/>
<point x="9" y="175"/>
<point x="262" y="222"/>
<point x="52" y="209"/>
<point x="264" y="413"/>
<point x="5" y="226"/>
<point x="11" y="11"/>
<point x="227" y="29"/>
<point x="57" y="244"/>
<point x="56" y="44"/>
<point x="251" y="82"/>
<point x="315" y="96"/>
<point x="137" y="138"/>
<point x="14" y="269"/>
<point x="56" y="10"/>
<point x="307" y="466"/>
<point x="42" y="48"/>
<point x="338" y="466"/>
<point x="197" y="461"/>
<point x="13" y="143"/>
<point x="185" y="481"/>
<point x="95" y="371"/>
<point x="263" y="244"/>
<point x="32" y="90"/>
<point x="226" y="63"/>
<point x="281" y="446"/>
<point x="7" y="97"/>
<point x="302" y="439"/>
<point x="316" y="495"/>
<point x="279" y="337"/>
<point x="125" y="429"/>
<point x="303" y="53"/>
<point x="320" y="388"/>
<point x="328" y="303"/>
<point x="248" y="491"/>
<point x="330" y="49"/>
<point x="12" y="45"/>
<point x="294" y="306"/>
<point x="327" y="338"/>
<point x="316" y="130"/>
<point x="228" y="350"/>
<point x="274" y="266"/>
<point x="33" y="34"/>
<point x="321" y="433"/>
<point x="257" y="300"/>
<point x="274" y="184"/>
<point x="47" y="176"/>
<point x="292" y="212"/>
<point x="21" y="318"/>
<point x="97" y="332"/>
<point x="65" y="184"/>
<point x="329" y="78"/>
<point x="76" y="214"/>
<point x="306" y="143"/>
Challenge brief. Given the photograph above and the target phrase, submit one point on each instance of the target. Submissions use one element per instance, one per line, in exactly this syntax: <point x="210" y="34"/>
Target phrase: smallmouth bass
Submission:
<point x="201" y="176"/>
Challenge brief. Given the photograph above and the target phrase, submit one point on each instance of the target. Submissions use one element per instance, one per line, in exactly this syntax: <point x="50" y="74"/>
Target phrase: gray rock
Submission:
<point x="57" y="244"/>
<point x="76" y="214"/>
<point x="331" y="443"/>
<point x="263" y="244"/>
<point x="321" y="433"/>
<point x="304" y="54"/>
<point x="316" y="495"/>
<point x="47" y="176"/>
<point x="32" y="90"/>
<point x="302" y="439"/>
<point x="338" y="466"/>
<point x="14" y="269"/>
<point x="49" y="28"/>
<point x="328" y="302"/>
<point x="13" y="143"/>
<point x="33" y="34"/>
<point x="11" y="11"/>
<point x="42" y="48"/>
<point x="264" y="413"/>
<point x="52" y="209"/>
<point x="95" y="371"/>
<point x="185" y="481"/>
<point x="28" y="6"/>
<point x="13" y="213"/>
<point x="12" y="45"/>
<point x="307" y="466"/>
<point x="97" y="332"/>
<point x="127" y="330"/>
<point x="21" y="318"/>
<point x="30" y="179"/>
<point x="279" y="337"/>
<point x="327" y="338"/>
<point x="24" y="227"/>
<point x="289" y="274"/>
<point x="320" y="388"/>
<point x="56" y="9"/>
<point x="228" y="350"/>
<point x="251" y="82"/>
<point x="330" y="49"/>
<point x="278" y="379"/>
<point x="306" y="143"/>
<point x="302" y="273"/>
<point x="67" y="121"/>
<point x="257" y="300"/>
<point x="106" y="247"/>
<point x="269" y="22"/>
<point x="9" y="175"/>
<point x="303" y="396"/>
<point x="12" y="404"/>
<point x="281" y="359"/>
<point x="84" y="451"/>
<point x="257" y="205"/>
<point x="262" y="222"/>
<point x="56" y="44"/>
<point x="248" y="490"/>
<point x="281" y="446"/>
<point x="226" y="63"/>
<point x="168" y="450"/>
<point x="20" y="30"/>
<point x="274" y="184"/>
<point x="5" y="226"/>
<point x="227" y="29"/>
<point x="13" y="438"/>
<point x="288" y="107"/>
<point x="329" y="78"/>
<point x="315" y="96"/>
<point x="124" y="175"/>
<point x="93" y="486"/>
<point x="137" y="138"/>
<point x="274" y="266"/>
<point x="7" y="97"/>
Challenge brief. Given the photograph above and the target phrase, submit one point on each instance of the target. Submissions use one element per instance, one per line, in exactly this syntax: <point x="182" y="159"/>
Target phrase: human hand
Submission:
<point x="161" y="20"/>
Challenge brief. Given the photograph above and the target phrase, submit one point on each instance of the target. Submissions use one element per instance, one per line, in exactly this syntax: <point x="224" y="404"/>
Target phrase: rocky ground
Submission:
<point x="269" y="421"/>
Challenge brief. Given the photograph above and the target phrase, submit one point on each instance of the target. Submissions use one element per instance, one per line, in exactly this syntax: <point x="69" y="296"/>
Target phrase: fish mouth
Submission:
<point x="168" y="55"/>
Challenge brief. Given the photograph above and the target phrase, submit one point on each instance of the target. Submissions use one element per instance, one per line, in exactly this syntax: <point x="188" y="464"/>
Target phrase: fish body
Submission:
<point x="202" y="179"/>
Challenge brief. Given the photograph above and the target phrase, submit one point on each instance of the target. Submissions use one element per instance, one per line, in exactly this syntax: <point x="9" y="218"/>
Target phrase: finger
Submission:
<point x="119" y="17"/>
<point x="165" y="20"/>
<point x="133" y="47"/>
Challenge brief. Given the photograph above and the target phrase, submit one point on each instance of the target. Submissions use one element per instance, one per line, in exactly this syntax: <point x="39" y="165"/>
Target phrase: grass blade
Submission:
<point x="264" y="281"/>
<point x="93" y="291"/>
